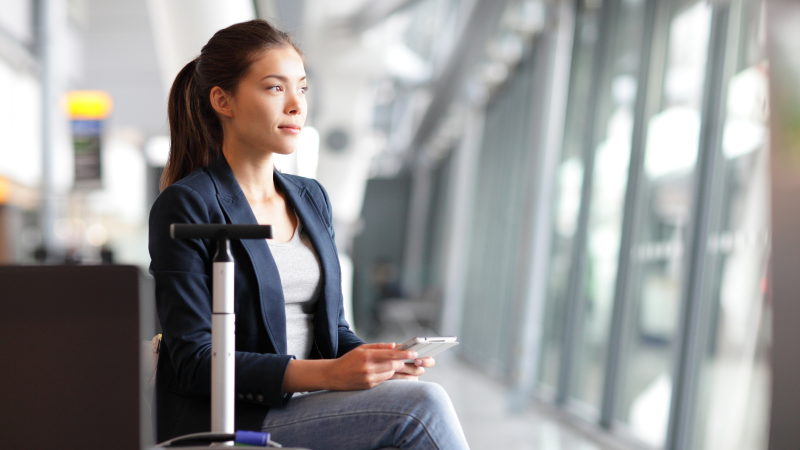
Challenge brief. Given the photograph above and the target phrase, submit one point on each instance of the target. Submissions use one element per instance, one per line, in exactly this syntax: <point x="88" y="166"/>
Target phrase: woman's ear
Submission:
<point x="221" y="101"/>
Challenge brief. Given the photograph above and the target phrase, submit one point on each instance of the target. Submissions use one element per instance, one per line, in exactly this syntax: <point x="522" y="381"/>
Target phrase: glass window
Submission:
<point x="670" y="156"/>
<point x="490" y="317"/>
<point x="613" y="137"/>
<point x="734" y="391"/>
<point x="568" y="189"/>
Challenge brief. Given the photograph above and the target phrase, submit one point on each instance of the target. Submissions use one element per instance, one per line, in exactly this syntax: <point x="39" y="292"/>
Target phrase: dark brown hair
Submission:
<point x="194" y="128"/>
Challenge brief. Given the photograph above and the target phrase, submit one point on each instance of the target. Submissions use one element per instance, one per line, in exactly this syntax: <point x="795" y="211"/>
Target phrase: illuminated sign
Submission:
<point x="89" y="105"/>
<point x="87" y="109"/>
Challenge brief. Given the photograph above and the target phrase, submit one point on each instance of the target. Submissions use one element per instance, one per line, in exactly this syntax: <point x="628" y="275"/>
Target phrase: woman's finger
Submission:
<point x="385" y="366"/>
<point x="428" y="361"/>
<point x="378" y="378"/>
<point x="387" y="355"/>
<point x="403" y="376"/>
<point x="378" y="346"/>
<point x="411" y="369"/>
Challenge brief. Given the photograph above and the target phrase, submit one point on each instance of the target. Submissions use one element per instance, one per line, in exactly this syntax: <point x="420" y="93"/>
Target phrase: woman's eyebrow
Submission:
<point x="282" y="78"/>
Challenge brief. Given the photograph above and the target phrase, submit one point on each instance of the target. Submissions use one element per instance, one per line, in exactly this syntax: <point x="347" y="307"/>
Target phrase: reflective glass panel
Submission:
<point x="658" y="254"/>
<point x="568" y="190"/>
<point x="614" y="127"/>
<point x="734" y="390"/>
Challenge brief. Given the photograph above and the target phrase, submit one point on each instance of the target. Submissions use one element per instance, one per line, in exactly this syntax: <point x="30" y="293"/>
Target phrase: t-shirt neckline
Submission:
<point x="295" y="236"/>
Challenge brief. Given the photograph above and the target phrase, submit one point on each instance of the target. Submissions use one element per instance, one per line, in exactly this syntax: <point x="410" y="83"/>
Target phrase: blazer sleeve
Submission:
<point x="347" y="339"/>
<point x="181" y="270"/>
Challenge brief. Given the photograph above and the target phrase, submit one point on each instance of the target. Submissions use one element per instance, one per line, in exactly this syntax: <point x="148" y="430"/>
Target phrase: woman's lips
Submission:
<point x="292" y="129"/>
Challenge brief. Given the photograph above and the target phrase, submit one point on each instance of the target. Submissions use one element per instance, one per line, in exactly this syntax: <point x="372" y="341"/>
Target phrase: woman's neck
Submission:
<point x="253" y="172"/>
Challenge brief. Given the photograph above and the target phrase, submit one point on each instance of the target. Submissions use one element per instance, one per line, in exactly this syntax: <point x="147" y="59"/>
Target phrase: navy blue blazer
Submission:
<point x="182" y="268"/>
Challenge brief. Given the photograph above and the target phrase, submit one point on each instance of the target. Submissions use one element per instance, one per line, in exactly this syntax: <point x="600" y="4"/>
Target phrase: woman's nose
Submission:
<point x="294" y="104"/>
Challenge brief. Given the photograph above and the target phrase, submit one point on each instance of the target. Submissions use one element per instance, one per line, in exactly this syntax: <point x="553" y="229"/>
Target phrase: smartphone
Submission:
<point x="428" y="346"/>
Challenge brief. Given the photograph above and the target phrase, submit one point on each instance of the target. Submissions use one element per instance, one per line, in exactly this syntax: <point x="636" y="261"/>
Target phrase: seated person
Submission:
<point x="230" y="110"/>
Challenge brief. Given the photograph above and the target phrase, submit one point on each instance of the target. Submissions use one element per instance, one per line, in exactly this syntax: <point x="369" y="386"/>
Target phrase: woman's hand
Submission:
<point x="367" y="366"/>
<point x="413" y="371"/>
<point x="364" y="367"/>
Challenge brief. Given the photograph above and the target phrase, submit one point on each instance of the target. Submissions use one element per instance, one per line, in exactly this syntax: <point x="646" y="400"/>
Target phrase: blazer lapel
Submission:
<point x="326" y="329"/>
<point x="237" y="209"/>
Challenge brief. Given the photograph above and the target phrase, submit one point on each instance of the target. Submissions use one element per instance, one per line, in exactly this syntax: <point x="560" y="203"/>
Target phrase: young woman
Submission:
<point x="237" y="104"/>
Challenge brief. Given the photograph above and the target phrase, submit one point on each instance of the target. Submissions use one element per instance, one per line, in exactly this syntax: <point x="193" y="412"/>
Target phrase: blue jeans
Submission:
<point x="397" y="413"/>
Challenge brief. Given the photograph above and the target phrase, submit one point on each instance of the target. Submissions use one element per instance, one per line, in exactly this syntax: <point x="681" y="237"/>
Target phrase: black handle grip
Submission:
<point x="213" y="230"/>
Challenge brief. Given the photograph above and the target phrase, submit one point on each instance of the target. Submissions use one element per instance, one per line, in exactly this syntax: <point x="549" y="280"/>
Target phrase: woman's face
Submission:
<point x="269" y="107"/>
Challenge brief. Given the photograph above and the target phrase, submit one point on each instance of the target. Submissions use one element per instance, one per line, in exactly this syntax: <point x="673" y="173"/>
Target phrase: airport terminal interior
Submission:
<point x="594" y="196"/>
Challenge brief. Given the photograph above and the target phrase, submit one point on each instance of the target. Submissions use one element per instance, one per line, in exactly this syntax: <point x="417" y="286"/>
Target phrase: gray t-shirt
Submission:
<point x="299" y="268"/>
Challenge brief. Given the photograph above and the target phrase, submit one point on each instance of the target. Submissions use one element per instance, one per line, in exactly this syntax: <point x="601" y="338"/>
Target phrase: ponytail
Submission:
<point x="191" y="135"/>
<point x="194" y="128"/>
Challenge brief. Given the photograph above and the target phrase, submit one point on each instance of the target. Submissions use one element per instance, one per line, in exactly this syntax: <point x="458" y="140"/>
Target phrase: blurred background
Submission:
<point x="578" y="189"/>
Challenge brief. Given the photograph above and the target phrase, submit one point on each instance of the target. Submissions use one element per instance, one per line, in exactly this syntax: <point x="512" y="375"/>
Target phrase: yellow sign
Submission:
<point x="89" y="105"/>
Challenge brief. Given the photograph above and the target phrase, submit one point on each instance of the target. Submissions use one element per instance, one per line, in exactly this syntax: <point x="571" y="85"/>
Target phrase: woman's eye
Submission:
<point x="304" y="89"/>
<point x="275" y="88"/>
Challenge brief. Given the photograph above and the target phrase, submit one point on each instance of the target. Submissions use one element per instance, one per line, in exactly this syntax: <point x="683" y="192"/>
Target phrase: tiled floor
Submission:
<point x="482" y="406"/>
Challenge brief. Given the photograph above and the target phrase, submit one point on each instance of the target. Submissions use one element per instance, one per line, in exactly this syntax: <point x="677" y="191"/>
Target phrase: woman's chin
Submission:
<point x="285" y="151"/>
<point x="285" y="147"/>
